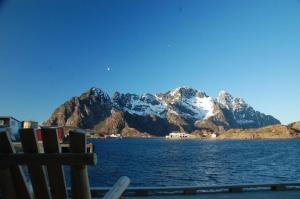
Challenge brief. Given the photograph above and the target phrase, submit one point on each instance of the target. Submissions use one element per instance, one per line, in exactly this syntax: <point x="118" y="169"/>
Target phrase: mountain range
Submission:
<point x="183" y="109"/>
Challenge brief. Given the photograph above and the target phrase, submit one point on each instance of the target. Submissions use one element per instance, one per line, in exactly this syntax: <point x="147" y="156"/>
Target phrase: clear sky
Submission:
<point x="53" y="50"/>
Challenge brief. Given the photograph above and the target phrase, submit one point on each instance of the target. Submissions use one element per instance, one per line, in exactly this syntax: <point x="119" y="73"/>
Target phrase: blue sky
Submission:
<point x="53" y="50"/>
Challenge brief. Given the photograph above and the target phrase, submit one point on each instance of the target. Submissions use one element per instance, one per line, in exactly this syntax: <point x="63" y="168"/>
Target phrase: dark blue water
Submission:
<point x="160" y="162"/>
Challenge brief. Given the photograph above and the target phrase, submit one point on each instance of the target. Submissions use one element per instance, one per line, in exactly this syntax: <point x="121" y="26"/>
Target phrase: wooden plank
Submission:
<point x="63" y="146"/>
<point x="142" y="191"/>
<point x="55" y="170"/>
<point x="118" y="189"/>
<point x="36" y="171"/>
<point x="16" y="172"/>
<point x="79" y="176"/>
<point x="189" y="191"/>
<point x="90" y="148"/>
<point x="278" y="187"/>
<point x="7" y="185"/>
<point x="46" y="159"/>
<point x="179" y="188"/>
<point x="235" y="189"/>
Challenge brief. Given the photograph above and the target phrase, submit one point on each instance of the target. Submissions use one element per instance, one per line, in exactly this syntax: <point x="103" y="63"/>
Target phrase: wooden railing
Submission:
<point x="188" y="190"/>
<point x="45" y="167"/>
<point x="65" y="147"/>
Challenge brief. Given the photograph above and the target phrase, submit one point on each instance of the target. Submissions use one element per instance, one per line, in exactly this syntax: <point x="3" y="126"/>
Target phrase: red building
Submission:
<point x="60" y="133"/>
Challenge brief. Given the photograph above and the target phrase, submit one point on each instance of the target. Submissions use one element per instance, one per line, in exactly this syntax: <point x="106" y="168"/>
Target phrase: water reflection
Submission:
<point x="159" y="162"/>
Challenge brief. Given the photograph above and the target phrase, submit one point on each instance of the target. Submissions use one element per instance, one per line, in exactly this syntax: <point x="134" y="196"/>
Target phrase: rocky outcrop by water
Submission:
<point x="295" y="126"/>
<point x="268" y="132"/>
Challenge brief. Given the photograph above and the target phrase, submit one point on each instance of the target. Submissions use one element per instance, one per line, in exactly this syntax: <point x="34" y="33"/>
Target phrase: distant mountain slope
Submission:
<point x="180" y="109"/>
<point x="239" y="114"/>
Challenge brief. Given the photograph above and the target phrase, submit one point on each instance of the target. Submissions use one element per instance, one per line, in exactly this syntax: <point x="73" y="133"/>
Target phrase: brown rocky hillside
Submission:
<point x="268" y="132"/>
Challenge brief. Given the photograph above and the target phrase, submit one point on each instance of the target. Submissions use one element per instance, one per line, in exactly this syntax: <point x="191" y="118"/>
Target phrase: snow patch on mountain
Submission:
<point x="99" y="93"/>
<point x="189" y="102"/>
<point x="230" y="102"/>
<point x="146" y="104"/>
<point x="201" y="107"/>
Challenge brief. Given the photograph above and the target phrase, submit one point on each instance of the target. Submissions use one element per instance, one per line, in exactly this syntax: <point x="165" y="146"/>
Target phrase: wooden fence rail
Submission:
<point x="45" y="168"/>
<point x="187" y="190"/>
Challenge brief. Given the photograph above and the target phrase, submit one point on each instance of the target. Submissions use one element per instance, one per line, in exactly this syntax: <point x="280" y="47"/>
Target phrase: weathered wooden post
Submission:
<point x="12" y="178"/>
<point x="55" y="170"/>
<point x="79" y="176"/>
<point x="36" y="171"/>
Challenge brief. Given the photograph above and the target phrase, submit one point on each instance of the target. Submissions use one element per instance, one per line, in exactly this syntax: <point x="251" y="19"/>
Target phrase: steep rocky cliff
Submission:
<point x="85" y="111"/>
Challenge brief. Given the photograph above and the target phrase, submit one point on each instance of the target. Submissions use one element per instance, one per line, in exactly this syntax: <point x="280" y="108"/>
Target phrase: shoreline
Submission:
<point x="291" y="131"/>
<point x="209" y="139"/>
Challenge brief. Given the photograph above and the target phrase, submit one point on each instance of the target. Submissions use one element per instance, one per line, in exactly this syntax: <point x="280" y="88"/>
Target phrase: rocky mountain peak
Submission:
<point x="96" y="92"/>
<point x="188" y="103"/>
<point x="149" y="98"/>
<point x="146" y="104"/>
<point x="181" y="94"/>
<point x="231" y="102"/>
<point x="84" y="111"/>
<point x="116" y="95"/>
<point x="224" y="94"/>
<point x="239" y="114"/>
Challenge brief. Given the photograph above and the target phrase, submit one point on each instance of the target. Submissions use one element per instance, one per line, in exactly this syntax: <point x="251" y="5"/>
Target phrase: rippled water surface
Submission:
<point x="160" y="162"/>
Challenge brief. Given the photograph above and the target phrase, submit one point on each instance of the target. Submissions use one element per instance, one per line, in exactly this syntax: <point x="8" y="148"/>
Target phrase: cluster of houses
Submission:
<point x="178" y="135"/>
<point x="13" y="125"/>
<point x="183" y="135"/>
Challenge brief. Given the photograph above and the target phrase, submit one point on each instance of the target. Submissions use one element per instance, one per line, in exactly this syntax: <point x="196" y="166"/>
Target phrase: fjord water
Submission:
<point x="161" y="162"/>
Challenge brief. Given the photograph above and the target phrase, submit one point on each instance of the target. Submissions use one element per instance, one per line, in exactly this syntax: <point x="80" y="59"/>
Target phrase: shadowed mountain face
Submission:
<point x="181" y="109"/>
<point x="84" y="111"/>
<point x="239" y="114"/>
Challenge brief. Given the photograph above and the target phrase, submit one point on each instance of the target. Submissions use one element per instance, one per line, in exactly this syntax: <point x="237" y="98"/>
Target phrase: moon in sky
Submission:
<point x="108" y="68"/>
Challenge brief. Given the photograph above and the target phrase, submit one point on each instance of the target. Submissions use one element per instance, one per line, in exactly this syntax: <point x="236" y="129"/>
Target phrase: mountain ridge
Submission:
<point x="180" y="109"/>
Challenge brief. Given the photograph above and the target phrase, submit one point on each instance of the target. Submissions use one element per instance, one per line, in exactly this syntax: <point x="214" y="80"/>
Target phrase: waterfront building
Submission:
<point x="178" y="135"/>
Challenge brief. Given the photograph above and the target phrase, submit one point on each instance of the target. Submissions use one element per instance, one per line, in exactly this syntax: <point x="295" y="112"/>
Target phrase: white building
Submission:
<point x="178" y="135"/>
<point x="30" y="124"/>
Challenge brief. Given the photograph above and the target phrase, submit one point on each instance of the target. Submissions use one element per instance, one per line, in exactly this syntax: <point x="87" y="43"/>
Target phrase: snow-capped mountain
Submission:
<point x="230" y="102"/>
<point x="239" y="114"/>
<point x="180" y="109"/>
<point x="146" y="104"/>
<point x="189" y="103"/>
<point x="184" y="101"/>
